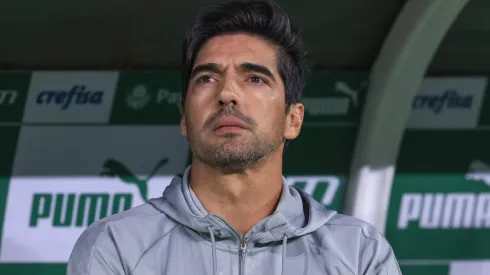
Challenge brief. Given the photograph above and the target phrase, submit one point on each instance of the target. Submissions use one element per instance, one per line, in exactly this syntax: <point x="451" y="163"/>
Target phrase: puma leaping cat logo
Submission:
<point x="114" y="168"/>
<point x="479" y="171"/>
<point x="353" y="94"/>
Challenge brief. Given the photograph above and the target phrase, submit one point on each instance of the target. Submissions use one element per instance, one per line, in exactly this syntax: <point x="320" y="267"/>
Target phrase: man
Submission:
<point x="232" y="212"/>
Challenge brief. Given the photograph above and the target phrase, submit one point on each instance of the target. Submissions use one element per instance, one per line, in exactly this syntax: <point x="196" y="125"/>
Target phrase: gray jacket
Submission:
<point x="174" y="235"/>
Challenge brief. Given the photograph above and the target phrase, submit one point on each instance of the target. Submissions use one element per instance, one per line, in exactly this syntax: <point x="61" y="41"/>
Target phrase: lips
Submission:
<point x="229" y="122"/>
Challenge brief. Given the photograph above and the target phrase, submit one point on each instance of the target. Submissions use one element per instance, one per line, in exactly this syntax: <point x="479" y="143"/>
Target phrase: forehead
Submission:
<point x="237" y="49"/>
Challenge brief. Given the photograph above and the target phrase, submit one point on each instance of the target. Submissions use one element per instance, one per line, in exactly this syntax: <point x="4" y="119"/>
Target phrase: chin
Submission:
<point x="231" y="147"/>
<point x="231" y="139"/>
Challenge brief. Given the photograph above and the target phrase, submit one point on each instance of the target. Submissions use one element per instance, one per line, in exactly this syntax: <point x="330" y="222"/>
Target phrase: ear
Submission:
<point x="294" y="120"/>
<point x="183" y="125"/>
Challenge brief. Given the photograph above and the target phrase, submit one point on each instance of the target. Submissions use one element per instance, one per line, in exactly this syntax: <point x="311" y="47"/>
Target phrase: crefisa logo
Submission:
<point x="437" y="103"/>
<point x="78" y="95"/>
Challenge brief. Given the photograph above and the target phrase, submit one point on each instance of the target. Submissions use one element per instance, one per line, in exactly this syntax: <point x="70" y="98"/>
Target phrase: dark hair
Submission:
<point x="263" y="18"/>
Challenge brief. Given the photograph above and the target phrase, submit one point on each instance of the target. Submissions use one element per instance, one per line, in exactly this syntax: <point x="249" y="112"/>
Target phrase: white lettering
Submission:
<point x="409" y="209"/>
<point x="313" y="183"/>
<point x="447" y="211"/>
<point x="482" y="216"/>
<point x="431" y="213"/>
<point x="453" y="210"/>
<point x="8" y="96"/>
<point x="165" y="96"/>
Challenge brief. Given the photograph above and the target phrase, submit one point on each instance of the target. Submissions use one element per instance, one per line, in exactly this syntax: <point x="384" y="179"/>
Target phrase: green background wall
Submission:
<point x="77" y="146"/>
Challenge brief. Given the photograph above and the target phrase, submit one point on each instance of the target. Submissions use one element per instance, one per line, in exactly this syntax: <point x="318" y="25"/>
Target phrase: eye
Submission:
<point x="206" y="79"/>
<point x="256" y="79"/>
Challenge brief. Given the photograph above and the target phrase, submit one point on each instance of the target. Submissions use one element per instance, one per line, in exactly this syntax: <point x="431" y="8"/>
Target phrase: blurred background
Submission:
<point x="396" y="129"/>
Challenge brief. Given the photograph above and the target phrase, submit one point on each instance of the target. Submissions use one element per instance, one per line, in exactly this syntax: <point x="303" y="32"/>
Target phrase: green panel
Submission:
<point x="442" y="151"/>
<point x="425" y="270"/>
<point x="13" y="95"/>
<point x="440" y="202"/>
<point x="335" y="97"/>
<point x="30" y="269"/>
<point x="147" y="98"/>
<point x="8" y="145"/>
<point x="485" y="109"/>
<point x="318" y="153"/>
<point x="442" y="235"/>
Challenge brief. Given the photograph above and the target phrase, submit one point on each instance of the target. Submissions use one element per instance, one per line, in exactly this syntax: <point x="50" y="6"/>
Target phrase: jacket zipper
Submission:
<point x="243" y="245"/>
<point x="241" y="256"/>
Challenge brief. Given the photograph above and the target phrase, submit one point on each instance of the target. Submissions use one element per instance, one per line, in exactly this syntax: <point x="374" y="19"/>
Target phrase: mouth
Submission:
<point x="229" y="124"/>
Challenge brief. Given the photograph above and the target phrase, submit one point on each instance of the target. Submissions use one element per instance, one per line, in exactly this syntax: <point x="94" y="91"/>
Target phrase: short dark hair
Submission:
<point x="263" y="18"/>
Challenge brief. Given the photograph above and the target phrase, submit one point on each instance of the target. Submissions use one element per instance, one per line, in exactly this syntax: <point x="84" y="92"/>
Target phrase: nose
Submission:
<point x="228" y="94"/>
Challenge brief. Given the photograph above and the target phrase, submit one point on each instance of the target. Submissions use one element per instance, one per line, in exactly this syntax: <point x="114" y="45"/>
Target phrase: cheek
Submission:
<point x="192" y="121"/>
<point x="196" y="116"/>
<point x="273" y="118"/>
<point x="190" y="116"/>
<point x="200" y="102"/>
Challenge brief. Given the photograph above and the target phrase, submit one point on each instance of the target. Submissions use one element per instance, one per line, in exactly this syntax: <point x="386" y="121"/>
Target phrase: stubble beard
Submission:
<point x="235" y="154"/>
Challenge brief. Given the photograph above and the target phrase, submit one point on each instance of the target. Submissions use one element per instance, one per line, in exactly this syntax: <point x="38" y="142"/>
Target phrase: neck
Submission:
<point x="242" y="199"/>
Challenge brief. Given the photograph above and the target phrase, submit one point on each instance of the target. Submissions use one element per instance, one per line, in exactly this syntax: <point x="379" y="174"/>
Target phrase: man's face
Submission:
<point x="235" y="111"/>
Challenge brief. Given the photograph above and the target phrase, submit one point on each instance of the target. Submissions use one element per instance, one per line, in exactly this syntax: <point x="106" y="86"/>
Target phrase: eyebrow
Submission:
<point x="244" y="67"/>
<point x="208" y="67"/>
<point x="261" y="69"/>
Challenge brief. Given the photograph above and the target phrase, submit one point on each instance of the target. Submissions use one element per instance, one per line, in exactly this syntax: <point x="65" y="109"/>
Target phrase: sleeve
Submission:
<point x="95" y="254"/>
<point x="378" y="258"/>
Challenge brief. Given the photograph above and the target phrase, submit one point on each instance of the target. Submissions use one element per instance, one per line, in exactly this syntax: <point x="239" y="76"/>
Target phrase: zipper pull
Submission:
<point x="243" y="245"/>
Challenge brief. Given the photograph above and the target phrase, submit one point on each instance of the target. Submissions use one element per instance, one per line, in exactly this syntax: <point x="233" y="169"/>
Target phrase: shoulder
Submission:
<point x="358" y="244"/>
<point x="120" y="238"/>
<point x="346" y="231"/>
<point x="126" y="222"/>
<point x="355" y="226"/>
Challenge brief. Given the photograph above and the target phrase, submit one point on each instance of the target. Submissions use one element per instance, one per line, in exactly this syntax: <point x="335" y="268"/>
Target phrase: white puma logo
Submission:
<point x="353" y="94"/>
<point x="479" y="171"/>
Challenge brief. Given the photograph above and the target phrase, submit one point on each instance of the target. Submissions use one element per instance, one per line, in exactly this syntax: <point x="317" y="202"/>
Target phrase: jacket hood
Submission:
<point x="297" y="214"/>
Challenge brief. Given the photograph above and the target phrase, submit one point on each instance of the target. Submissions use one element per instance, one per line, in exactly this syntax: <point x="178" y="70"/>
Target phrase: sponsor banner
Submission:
<point x="13" y="94"/>
<point x="428" y="210"/>
<point x="86" y="174"/>
<point x="439" y="214"/>
<point x="53" y="211"/>
<point x="441" y="222"/>
<point x="447" y="103"/>
<point x="147" y="98"/>
<point x="335" y="97"/>
<point x="70" y="97"/>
